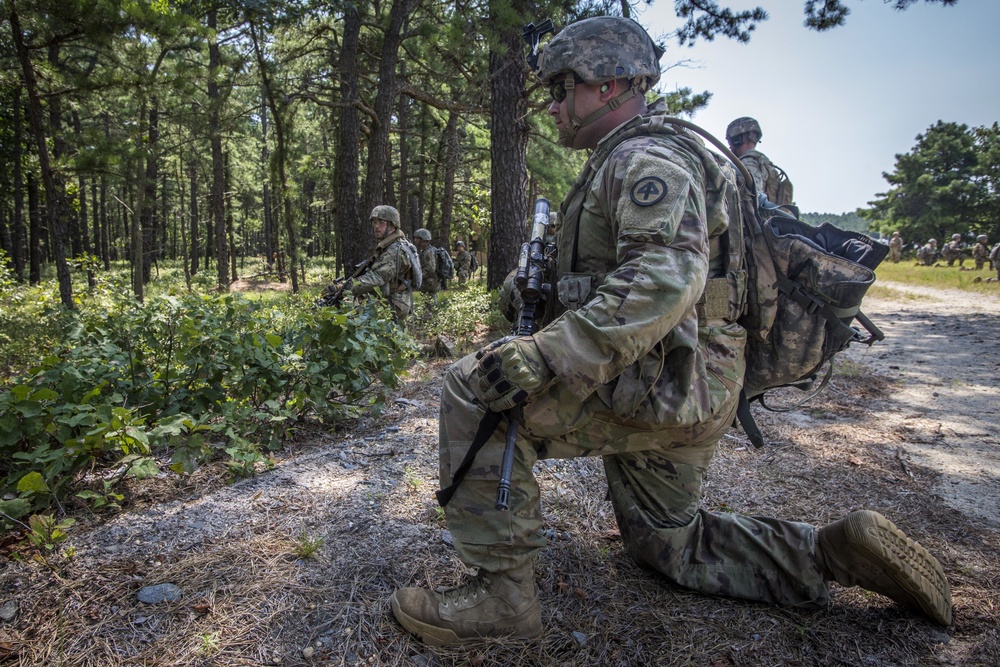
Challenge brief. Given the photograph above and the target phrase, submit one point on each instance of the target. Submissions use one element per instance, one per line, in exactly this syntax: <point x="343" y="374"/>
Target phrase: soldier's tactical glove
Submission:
<point x="510" y="370"/>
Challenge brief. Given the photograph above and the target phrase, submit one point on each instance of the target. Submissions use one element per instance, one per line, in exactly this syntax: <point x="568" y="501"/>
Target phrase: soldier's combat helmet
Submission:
<point x="459" y="244"/>
<point x="596" y="50"/>
<point x="981" y="238"/>
<point x="740" y="127"/>
<point x="932" y="241"/>
<point x="387" y="213"/>
<point x="422" y="234"/>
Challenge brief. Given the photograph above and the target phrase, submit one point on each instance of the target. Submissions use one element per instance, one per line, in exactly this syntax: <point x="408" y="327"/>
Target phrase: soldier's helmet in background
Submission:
<point x="981" y="238"/>
<point x="742" y="126"/>
<point x="956" y="237"/>
<point x="932" y="241"/>
<point x="422" y="234"/>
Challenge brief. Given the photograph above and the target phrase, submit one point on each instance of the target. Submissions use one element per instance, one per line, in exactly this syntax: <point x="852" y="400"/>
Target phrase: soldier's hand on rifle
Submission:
<point x="510" y="370"/>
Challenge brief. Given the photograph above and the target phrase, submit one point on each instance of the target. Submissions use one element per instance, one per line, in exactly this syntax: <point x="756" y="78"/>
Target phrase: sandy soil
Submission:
<point x="943" y="348"/>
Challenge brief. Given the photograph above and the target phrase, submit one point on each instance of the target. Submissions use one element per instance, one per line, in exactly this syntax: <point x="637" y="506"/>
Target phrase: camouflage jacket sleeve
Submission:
<point x="464" y="261"/>
<point x="389" y="271"/>
<point x="647" y="201"/>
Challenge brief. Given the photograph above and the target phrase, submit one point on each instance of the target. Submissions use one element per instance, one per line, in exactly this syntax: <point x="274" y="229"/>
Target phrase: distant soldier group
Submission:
<point x="397" y="267"/>
<point x="928" y="254"/>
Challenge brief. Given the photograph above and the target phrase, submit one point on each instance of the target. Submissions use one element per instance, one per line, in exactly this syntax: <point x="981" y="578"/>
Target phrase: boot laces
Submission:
<point x="471" y="590"/>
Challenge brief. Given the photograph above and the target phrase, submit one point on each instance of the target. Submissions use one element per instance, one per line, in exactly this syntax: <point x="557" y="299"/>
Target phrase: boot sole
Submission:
<point x="434" y="635"/>
<point x="909" y="565"/>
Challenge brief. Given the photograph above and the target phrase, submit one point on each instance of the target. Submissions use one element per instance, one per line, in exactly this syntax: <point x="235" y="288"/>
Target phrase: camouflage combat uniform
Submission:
<point x="980" y="254"/>
<point x="429" y="265"/>
<point x="895" y="248"/>
<point x="764" y="174"/>
<point x="391" y="274"/>
<point x="927" y="254"/>
<point x="952" y="251"/>
<point x="463" y="266"/>
<point x="641" y="380"/>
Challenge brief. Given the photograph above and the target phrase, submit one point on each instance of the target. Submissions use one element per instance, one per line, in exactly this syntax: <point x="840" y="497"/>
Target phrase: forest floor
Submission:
<point x="908" y="427"/>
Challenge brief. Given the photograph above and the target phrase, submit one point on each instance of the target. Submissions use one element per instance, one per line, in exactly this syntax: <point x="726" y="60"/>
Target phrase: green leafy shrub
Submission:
<point x="464" y="314"/>
<point x="27" y="323"/>
<point x="190" y="378"/>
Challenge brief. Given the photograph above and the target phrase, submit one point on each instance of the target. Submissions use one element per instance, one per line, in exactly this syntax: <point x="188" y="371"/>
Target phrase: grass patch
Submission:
<point x="936" y="277"/>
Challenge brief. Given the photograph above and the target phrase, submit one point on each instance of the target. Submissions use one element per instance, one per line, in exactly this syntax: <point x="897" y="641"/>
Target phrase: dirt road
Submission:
<point x="943" y="347"/>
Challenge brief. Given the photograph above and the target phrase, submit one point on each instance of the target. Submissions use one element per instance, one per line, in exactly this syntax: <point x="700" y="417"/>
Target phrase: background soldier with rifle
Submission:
<point x="393" y="269"/>
<point x="633" y="362"/>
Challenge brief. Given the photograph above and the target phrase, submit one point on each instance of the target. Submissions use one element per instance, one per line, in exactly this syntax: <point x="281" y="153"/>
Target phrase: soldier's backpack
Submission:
<point x="417" y="273"/>
<point x="473" y="263"/>
<point x="780" y="189"/>
<point x="445" y="265"/>
<point x="803" y="285"/>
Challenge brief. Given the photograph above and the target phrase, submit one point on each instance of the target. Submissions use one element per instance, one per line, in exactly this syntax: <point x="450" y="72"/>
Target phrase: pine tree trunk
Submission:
<point x="49" y="181"/>
<point x="218" y="174"/>
<point x="508" y="150"/>
<point x="17" y="221"/>
<point x="353" y="236"/>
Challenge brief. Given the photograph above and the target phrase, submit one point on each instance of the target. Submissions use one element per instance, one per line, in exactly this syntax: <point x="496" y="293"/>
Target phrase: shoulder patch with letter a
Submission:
<point x="648" y="191"/>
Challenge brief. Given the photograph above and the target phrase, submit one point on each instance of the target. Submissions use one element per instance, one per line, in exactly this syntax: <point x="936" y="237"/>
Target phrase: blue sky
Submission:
<point x="836" y="107"/>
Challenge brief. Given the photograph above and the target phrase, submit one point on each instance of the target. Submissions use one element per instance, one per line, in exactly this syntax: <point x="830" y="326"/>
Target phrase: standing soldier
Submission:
<point x="428" y="263"/>
<point x="463" y="262"/>
<point x="953" y="250"/>
<point x="631" y="364"/>
<point x="392" y="265"/>
<point x="895" y="248"/>
<point x="981" y="252"/>
<point x="743" y="135"/>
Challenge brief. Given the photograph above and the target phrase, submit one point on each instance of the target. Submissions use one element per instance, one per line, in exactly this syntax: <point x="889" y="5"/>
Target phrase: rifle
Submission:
<point x="332" y="294"/>
<point x="532" y="35"/>
<point x="535" y="257"/>
<point x="530" y="282"/>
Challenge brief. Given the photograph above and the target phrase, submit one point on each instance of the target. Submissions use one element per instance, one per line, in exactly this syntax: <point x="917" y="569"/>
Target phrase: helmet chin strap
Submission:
<point x="568" y="133"/>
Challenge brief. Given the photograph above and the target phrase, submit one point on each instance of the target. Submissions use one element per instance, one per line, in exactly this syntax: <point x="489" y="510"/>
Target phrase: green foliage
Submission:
<point x="307" y="546"/>
<point x="45" y="533"/>
<point x="186" y="379"/>
<point x="27" y="323"/>
<point x="461" y="314"/>
<point x="949" y="183"/>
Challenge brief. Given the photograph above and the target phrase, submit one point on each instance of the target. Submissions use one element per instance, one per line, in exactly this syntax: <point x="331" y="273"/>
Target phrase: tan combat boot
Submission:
<point x="866" y="549"/>
<point x="501" y="604"/>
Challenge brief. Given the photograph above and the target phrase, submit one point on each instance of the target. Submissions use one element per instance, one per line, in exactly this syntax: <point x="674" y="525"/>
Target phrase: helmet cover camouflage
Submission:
<point x="422" y="234"/>
<point x="742" y="126"/>
<point x="459" y="244"/>
<point x="602" y="48"/>
<point x="386" y="213"/>
<point x="981" y="238"/>
<point x="932" y="241"/>
<point x="956" y="237"/>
